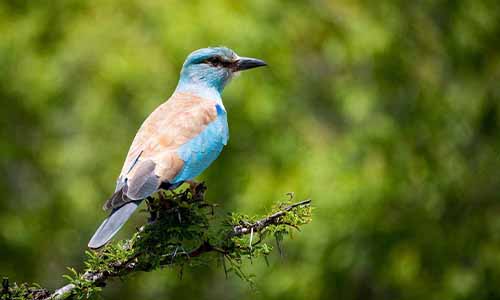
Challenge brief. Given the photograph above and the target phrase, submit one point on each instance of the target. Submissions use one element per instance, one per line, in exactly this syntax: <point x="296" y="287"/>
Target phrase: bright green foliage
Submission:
<point x="84" y="289"/>
<point x="23" y="291"/>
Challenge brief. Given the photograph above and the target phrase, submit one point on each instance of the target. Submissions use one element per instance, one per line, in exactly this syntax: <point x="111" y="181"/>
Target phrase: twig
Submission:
<point x="270" y="220"/>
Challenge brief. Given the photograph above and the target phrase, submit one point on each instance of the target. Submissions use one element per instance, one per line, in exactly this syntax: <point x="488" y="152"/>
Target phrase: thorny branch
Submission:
<point x="135" y="262"/>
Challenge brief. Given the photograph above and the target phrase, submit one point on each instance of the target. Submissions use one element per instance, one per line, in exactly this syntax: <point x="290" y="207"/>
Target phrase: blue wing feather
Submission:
<point x="202" y="150"/>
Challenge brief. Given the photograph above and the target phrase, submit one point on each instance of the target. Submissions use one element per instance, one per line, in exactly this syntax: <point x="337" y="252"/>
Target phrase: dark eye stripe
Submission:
<point x="217" y="61"/>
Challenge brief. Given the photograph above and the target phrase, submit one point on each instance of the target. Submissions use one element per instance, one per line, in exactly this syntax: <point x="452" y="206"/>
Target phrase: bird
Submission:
<point x="179" y="139"/>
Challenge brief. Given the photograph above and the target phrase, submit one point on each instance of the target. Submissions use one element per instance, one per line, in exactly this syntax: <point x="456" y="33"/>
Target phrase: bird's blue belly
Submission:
<point x="202" y="150"/>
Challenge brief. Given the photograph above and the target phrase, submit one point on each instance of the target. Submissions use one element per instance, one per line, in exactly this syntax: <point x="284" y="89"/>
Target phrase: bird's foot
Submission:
<point x="197" y="189"/>
<point x="153" y="213"/>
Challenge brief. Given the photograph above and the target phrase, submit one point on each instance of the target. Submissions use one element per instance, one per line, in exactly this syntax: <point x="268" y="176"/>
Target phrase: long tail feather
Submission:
<point x="112" y="224"/>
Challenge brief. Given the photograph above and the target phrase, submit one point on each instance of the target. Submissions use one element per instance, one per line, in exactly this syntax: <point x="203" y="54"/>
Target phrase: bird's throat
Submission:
<point x="199" y="90"/>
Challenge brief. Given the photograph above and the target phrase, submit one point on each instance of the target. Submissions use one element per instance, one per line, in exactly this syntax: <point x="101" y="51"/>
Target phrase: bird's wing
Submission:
<point x="153" y="156"/>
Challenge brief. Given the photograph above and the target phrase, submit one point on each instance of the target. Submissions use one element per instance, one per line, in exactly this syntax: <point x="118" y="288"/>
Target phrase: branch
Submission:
<point x="187" y="220"/>
<point x="270" y="220"/>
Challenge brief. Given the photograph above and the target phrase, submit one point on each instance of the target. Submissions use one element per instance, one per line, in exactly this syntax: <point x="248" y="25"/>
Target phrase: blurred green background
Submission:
<point x="385" y="113"/>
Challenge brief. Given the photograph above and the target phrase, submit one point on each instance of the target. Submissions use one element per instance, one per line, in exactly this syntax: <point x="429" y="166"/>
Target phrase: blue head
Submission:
<point x="213" y="68"/>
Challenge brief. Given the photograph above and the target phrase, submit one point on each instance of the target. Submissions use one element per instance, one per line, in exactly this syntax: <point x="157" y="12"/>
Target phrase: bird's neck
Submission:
<point x="200" y="90"/>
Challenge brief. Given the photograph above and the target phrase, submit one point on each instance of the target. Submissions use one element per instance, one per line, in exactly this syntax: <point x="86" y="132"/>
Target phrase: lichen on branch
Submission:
<point x="184" y="230"/>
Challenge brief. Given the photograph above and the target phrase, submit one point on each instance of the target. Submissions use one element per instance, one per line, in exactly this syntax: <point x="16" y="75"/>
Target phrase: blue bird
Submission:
<point x="179" y="139"/>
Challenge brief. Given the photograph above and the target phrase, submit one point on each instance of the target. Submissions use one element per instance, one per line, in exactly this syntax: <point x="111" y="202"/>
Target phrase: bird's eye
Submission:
<point x="214" y="61"/>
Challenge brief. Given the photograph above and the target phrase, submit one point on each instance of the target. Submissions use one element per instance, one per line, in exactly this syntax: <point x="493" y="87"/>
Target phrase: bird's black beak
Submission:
<point x="245" y="63"/>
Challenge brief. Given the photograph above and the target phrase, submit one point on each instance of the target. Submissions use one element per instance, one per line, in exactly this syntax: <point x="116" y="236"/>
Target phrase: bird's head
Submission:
<point x="214" y="67"/>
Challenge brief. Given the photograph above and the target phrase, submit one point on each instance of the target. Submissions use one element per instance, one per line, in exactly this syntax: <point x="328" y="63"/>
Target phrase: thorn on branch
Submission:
<point x="279" y="238"/>
<point x="267" y="260"/>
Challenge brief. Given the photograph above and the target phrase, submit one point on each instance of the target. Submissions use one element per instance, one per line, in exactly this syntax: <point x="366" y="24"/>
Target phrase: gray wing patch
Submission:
<point x="144" y="183"/>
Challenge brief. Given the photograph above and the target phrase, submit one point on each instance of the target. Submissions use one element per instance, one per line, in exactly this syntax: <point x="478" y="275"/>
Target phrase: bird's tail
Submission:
<point x="112" y="224"/>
